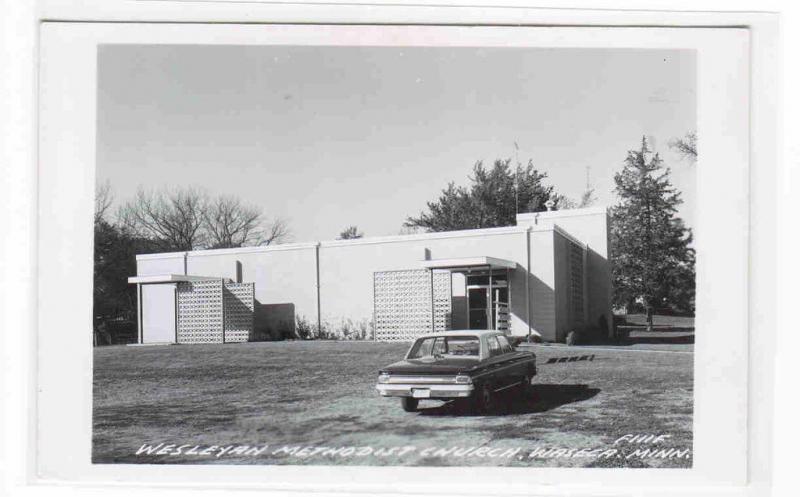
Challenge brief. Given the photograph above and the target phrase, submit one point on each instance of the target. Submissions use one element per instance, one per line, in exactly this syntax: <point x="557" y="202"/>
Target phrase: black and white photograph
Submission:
<point x="393" y="249"/>
<point x="307" y="254"/>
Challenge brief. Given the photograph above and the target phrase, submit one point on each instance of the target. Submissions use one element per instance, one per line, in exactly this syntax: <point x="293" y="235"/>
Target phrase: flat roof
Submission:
<point x="466" y="263"/>
<point x="507" y="230"/>
<point x="170" y="278"/>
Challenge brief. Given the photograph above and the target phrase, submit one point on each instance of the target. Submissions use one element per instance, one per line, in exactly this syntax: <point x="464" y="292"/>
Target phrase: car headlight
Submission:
<point x="383" y="378"/>
<point x="464" y="379"/>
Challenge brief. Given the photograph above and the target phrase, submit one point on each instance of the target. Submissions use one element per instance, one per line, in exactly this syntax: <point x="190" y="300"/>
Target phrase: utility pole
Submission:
<point x="516" y="179"/>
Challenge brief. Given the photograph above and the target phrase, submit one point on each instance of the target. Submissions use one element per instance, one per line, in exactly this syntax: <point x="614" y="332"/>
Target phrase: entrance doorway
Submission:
<point x="488" y="300"/>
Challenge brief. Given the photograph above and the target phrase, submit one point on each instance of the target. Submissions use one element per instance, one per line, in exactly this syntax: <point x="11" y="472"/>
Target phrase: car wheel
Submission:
<point x="525" y="385"/>
<point x="484" y="399"/>
<point x="409" y="404"/>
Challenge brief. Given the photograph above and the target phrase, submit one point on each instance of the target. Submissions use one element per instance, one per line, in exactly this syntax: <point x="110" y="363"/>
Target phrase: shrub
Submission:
<point x="304" y="328"/>
<point x="572" y="338"/>
<point x="347" y="329"/>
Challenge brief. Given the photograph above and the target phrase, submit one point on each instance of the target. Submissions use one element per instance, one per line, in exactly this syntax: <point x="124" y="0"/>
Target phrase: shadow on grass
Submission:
<point x="689" y="338"/>
<point x="542" y="398"/>
<point x="633" y="336"/>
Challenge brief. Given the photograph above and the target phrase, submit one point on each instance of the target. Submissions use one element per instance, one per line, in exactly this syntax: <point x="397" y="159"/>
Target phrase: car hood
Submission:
<point x="431" y="366"/>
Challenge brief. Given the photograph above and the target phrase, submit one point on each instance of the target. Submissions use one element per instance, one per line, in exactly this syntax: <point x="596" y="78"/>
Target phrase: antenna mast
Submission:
<point x="588" y="181"/>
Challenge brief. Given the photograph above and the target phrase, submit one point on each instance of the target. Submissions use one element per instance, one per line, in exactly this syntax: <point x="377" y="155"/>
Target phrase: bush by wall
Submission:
<point x="306" y="329"/>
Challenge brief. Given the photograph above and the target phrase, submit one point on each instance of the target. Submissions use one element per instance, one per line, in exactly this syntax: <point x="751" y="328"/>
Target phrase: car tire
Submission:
<point x="484" y="398"/>
<point x="525" y="385"/>
<point x="409" y="404"/>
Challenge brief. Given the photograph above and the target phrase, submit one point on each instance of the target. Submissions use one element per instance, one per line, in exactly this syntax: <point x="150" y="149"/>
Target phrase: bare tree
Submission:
<point x="350" y="233"/>
<point x="686" y="146"/>
<point x="173" y="217"/>
<point x="588" y="198"/>
<point x="231" y="223"/>
<point x="276" y="232"/>
<point x="103" y="198"/>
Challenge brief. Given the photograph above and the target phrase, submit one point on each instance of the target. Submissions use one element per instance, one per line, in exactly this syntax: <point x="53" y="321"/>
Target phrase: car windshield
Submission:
<point x="455" y="346"/>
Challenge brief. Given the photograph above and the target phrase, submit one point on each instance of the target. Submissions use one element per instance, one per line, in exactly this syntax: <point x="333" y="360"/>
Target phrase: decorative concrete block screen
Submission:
<point x="442" y="301"/>
<point x="200" y="312"/>
<point x="214" y="312"/>
<point x="410" y="303"/>
<point x="576" y="282"/>
<point x="239" y="302"/>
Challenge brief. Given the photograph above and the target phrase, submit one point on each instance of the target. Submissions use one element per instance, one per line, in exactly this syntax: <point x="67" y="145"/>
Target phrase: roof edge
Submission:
<point x="585" y="211"/>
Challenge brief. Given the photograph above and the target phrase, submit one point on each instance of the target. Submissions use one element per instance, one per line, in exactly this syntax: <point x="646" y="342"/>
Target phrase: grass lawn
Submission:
<point x="321" y="394"/>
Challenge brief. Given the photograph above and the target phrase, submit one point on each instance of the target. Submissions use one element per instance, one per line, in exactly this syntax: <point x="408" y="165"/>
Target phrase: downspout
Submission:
<point x="139" y="311"/>
<point x="433" y="305"/>
<point x="528" y="280"/>
<point x="316" y="283"/>
<point x="222" y="293"/>
<point x="585" y="283"/>
<point x="175" y="299"/>
<point x="177" y="307"/>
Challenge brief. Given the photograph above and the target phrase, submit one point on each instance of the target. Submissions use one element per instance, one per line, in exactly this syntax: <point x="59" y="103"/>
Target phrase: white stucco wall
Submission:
<point x="542" y="284"/>
<point x="589" y="226"/>
<point x="154" y="264"/>
<point x="347" y="267"/>
<point x="158" y="316"/>
<point x="286" y="276"/>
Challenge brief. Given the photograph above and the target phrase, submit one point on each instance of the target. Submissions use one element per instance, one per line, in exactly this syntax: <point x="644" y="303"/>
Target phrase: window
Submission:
<point x="422" y="348"/>
<point x="504" y="345"/>
<point x="463" y="346"/>
<point x="459" y="346"/>
<point x="494" y="346"/>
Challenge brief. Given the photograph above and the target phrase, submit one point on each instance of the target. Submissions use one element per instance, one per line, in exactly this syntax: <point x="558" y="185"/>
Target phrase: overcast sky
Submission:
<point x="327" y="137"/>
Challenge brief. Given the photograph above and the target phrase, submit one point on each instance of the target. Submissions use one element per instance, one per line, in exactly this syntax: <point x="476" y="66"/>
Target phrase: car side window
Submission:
<point x="504" y="345"/>
<point x="494" y="346"/>
<point x="422" y="348"/>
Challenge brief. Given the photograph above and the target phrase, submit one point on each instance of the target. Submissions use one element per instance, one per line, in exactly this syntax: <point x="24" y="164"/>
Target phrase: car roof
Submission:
<point x="461" y="333"/>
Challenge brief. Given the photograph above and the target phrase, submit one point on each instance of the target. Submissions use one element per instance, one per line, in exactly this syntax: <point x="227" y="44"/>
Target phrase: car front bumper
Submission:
<point x="424" y="390"/>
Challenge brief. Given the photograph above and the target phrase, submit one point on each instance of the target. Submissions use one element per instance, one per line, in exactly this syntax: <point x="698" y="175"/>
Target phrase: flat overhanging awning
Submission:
<point x="469" y="263"/>
<point x="170" y="278"/>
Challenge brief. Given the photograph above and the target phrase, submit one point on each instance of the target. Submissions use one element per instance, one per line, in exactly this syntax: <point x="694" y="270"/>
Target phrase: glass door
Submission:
<point x="487" y="300"/>
<point x="478" y="304"/>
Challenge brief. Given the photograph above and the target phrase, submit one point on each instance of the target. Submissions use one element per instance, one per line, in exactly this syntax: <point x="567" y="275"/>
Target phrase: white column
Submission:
<point x="527" y="280"/>
<point x="490" y="304"/>
<point x="139" y="310"/>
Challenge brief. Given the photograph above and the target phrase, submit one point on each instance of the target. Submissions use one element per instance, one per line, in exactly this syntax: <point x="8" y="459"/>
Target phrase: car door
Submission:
<point x="514" y="366"/>
<point x="499" y="364"/>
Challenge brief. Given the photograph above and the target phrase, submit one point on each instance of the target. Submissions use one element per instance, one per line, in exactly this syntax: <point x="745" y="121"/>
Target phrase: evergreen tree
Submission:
<point x="115" y="252"/>
<point x="493" y="198"/>
<point x="653" y="263"/>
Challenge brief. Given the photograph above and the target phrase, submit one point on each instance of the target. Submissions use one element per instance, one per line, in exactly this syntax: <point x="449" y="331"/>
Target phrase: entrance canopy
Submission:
<point x="169" y="278"/>
<point x="488" y="295"/>
<point x="466" y="264"/>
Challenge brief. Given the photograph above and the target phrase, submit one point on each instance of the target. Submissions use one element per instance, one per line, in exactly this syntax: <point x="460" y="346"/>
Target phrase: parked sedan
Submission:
<point x="467" y="364"/>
